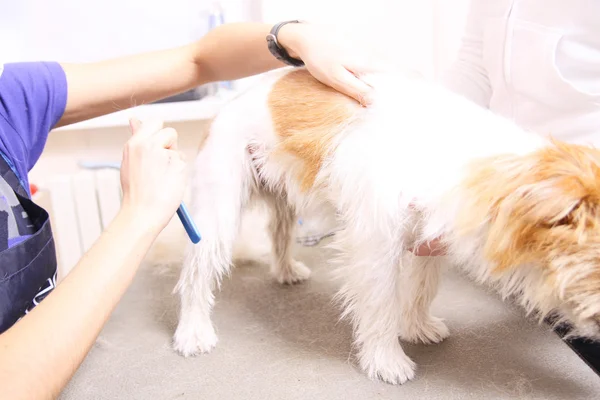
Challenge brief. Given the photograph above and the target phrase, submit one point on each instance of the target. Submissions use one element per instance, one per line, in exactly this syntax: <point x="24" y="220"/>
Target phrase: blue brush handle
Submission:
<point x="188" y="223"/>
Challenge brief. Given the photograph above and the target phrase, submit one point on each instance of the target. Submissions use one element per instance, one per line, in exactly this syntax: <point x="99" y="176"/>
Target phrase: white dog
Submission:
<point x="515" y="210"/>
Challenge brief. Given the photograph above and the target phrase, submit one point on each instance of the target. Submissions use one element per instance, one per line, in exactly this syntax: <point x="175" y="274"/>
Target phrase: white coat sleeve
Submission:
<point x="467" y="75"/>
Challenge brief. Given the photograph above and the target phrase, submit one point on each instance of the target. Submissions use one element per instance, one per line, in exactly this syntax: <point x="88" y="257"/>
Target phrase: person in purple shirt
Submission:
<point x="46" y="330"/>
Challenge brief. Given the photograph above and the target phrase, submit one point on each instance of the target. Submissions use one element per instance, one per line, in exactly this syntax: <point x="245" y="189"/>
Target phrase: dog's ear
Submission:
<point x="520" y="219"/>
<point x="555" y="203"/>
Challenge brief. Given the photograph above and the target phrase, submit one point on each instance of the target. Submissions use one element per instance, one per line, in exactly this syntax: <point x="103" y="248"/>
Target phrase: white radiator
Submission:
<point x="81" y="206"/>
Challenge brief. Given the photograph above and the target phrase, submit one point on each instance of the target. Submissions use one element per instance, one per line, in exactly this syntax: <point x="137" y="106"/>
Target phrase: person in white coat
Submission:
<point x="536" y="62"/>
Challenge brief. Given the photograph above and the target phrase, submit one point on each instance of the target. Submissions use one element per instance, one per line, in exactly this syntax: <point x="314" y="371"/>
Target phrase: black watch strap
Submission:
<point x="279" y="52"/>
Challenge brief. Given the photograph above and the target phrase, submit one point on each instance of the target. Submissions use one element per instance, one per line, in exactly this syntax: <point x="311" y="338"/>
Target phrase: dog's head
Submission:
<point x="543" y="241"/>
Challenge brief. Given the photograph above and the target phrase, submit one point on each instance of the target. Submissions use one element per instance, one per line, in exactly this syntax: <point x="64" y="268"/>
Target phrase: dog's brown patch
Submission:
<point x="307" y="116"/>
<point x="539" y="207"/>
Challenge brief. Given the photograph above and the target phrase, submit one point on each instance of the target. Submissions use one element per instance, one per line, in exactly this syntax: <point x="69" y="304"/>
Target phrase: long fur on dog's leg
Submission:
<point x="195" y="332"/>
<point x="220" y="189"/>
<point x="419" y="285"/>
<point x="371" y="283"/>
<point x="284" y="268"/>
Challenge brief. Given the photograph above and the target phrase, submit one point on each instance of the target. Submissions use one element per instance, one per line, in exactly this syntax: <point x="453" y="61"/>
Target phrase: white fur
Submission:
<point x="385" y="167"/>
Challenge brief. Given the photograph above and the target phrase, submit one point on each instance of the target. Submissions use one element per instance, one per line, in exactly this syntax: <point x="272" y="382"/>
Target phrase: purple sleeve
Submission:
<point x="33" y="97"/>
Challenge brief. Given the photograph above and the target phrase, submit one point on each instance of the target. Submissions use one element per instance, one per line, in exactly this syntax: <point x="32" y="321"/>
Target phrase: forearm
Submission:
<point x="229" y="52"/>
<point x="239" y="50"/>
<point x="99" y="88"/>
<point x="48" y="344"/>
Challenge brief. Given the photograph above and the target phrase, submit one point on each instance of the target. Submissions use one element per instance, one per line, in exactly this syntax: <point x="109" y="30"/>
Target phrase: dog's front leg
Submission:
<point x="419" y="278"/>
<point x="219" y="196"/>
<point x="195" y="332"/>
<point x="370" y="294"/>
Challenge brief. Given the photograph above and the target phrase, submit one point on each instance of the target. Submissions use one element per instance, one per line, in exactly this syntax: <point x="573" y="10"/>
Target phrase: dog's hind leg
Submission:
<point x="284" y="268"/>
<point x="418" y="287"/>
<point x="220" y="190"/>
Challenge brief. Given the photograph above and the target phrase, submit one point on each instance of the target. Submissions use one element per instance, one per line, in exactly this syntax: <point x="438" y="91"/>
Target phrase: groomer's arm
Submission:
<point x="40" y="353"/>
<point x="228" y="52"/>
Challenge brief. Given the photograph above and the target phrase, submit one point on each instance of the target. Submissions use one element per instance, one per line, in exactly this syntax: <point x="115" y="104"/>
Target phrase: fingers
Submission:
<point x="349" y="84"/>
<point x="145" y="129"/>
<point x="152" y="132"/>
<point x="134" y="124"/>
<point x="166" y="138"/>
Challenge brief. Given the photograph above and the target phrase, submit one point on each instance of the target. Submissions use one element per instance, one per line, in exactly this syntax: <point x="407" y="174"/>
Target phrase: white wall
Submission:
<point x="422" y="34"/>
<point x="10" y="17"/>
<point x="88" y="30"/>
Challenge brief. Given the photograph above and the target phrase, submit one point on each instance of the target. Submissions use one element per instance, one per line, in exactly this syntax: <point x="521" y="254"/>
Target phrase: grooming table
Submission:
<point x="287" y="343"/>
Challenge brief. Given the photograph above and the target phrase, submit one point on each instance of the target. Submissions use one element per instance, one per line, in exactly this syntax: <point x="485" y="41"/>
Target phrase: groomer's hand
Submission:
<point x="153" y="174"/>
<point x="329" y="58"/>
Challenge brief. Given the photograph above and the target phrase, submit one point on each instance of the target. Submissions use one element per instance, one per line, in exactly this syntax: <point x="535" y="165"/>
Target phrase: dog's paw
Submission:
<point x="192" y="340"/>
<point x="294" y="273"/>
<point x="432" y="331"/>
<point x="390" y="365"/>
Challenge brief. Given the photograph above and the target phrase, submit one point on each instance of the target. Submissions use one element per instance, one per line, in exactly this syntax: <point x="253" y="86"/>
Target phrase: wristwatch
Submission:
<point x="279" y="52"/>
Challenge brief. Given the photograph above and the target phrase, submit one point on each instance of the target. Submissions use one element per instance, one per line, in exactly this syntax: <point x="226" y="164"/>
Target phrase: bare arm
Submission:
<point x="49" y="344"/>
<point x="40" y="353"/>
<point x="237" y="50"/>
<point x="229" y="52"/>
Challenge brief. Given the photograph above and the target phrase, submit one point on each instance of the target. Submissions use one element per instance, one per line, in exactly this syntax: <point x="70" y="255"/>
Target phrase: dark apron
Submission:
<point x="28" y="269"/>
